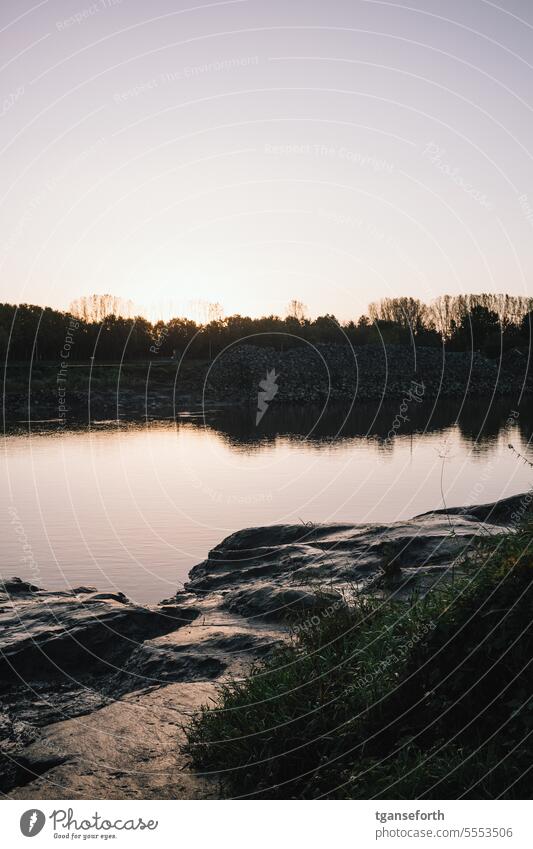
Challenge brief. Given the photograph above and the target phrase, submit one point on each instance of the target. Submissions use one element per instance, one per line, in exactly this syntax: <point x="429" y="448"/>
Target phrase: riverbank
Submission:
<point x="96" y="690"/>
<point x="429" y="698"/>
<point x="303" y="375"/>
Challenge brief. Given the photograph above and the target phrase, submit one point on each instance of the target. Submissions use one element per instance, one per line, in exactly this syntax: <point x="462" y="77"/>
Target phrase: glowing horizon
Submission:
<point x="249" y="153"/>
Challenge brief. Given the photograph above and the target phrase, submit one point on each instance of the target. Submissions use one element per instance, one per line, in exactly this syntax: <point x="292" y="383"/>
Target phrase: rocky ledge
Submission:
<point x="95" y="690"/>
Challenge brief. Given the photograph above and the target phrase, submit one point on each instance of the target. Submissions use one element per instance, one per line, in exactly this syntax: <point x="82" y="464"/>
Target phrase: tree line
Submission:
<point x="103" y="327"/>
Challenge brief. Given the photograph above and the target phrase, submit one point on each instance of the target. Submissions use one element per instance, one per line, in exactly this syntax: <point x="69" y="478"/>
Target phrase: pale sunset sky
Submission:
<point x="253" y="151"/>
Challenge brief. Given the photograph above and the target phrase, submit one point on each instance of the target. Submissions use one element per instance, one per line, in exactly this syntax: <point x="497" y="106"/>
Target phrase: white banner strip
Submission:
<point x="264" y="825"/>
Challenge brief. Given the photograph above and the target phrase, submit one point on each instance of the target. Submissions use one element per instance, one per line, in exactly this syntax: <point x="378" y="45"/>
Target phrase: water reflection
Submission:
<point x="134" y="507"/>
<point x="479" y="423"/>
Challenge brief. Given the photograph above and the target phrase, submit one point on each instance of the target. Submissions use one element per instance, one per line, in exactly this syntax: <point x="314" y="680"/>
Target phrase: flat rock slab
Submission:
<point x="127" y="750"/>
<point x="80" y="666"/>
<point x="281" y="571"/>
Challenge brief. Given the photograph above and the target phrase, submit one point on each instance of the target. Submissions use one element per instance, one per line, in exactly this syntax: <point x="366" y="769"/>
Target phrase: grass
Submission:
<point x="431" y="698"/>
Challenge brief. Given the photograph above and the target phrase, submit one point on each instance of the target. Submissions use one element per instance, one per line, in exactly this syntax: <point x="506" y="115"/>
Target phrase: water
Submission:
<point x="134" y="507"/>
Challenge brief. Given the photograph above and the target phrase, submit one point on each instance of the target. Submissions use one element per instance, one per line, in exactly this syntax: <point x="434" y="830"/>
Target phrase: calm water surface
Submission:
<point x="133" y="508"/>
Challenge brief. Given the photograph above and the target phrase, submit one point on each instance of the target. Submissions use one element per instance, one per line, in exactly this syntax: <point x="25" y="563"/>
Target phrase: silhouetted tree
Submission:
<point x="409" y="313"/>
<point x="95" y="308"/>
<point x="475" y="329"/>
<point x="297" y="310"/>
<point x="487" y="322"/>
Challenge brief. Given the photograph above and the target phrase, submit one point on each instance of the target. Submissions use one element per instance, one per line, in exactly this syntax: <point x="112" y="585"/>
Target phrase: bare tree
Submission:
<point x="95" y="308"/>
<point x="297" y="309"/>
<point x="215" y="311"/>
<point x="448" y="311"/>
<point x="210" y="314"/>
<point x="442" y="312"/>
<point x="409" y="313"/>
<point x="207" y="311"/>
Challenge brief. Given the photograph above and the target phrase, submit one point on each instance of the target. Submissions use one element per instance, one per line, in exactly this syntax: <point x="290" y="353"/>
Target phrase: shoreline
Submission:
<point x="97" y="659"/>
<point x="364" y="418"/>
<point x="321" y="375"/>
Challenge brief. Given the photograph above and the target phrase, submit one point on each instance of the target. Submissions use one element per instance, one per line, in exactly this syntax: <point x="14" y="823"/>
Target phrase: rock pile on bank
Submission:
<point x="338" y="372"/>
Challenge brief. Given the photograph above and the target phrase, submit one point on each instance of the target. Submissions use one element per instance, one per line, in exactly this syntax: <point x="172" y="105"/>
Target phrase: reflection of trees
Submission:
<point x="479" y="423"/>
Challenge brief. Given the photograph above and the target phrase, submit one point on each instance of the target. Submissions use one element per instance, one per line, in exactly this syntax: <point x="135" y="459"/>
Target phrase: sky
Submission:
<point x="253" y="151"/>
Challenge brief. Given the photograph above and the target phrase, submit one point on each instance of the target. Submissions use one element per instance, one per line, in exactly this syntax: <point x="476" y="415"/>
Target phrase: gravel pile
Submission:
<point x="311" y="374"/>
